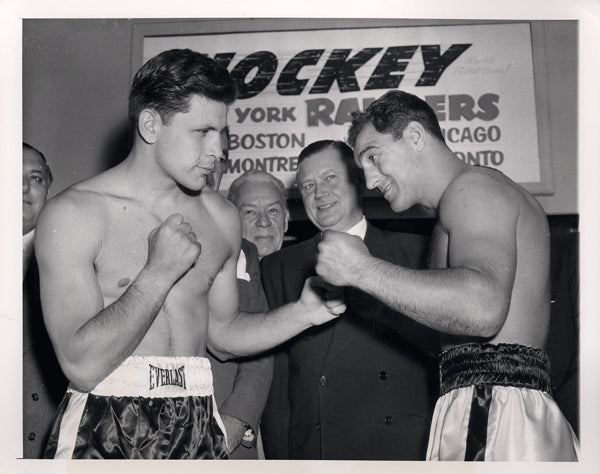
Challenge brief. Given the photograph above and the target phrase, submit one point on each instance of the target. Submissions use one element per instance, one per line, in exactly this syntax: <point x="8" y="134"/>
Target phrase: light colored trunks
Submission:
<point x="495" y="405"/>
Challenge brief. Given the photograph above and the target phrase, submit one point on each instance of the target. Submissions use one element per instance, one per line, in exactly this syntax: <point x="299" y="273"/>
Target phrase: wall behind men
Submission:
<point x="76" y="76"/>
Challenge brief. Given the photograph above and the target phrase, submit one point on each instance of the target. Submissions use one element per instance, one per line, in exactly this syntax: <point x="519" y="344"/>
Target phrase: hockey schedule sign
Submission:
<point x="296" y="87"/>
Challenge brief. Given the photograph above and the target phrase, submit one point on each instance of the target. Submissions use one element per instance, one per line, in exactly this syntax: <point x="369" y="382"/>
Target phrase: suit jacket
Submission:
<point x="563" y="334"/>
<point x="362" y="386"/>
<point x="44" y="384"/>
<point x="241" y="386"/>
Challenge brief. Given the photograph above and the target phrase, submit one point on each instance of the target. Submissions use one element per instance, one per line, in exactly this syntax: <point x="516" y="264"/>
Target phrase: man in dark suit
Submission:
<point x="362" y="386"/>
<point x="43" y="381"/>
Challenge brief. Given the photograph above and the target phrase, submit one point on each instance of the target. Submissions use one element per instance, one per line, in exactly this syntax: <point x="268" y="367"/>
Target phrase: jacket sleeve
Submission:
<point x="253" y="376"/>
<point x="276" y="416"/>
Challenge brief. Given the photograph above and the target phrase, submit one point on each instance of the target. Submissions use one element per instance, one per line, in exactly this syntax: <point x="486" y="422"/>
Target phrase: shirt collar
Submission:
<point x="359" y="229"/>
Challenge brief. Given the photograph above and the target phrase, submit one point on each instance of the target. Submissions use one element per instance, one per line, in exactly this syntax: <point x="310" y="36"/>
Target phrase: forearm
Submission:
<point x="103" y="342"/>
<point x="458" y="301"/>
<point x="252" y="333"/>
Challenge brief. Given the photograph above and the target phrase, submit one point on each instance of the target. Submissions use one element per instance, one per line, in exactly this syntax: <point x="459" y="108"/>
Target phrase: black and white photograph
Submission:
<point x="359" y="238"/>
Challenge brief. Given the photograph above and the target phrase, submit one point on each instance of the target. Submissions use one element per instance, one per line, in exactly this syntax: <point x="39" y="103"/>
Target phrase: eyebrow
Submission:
<point x="365" y="150"/>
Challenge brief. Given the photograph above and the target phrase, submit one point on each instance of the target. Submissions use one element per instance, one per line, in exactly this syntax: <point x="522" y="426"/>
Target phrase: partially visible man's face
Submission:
<point x="35" y="188"/>
<point x="264" y="217"/>
<point x="330" y="199"/>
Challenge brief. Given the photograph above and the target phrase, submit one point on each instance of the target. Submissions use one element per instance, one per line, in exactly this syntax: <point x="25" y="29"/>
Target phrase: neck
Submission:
<point x="440" y="171"/>
<point x="147" y="180"/>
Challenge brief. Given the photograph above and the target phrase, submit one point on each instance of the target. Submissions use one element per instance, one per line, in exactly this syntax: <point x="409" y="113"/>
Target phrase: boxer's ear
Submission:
<point x="149" y="122"/>
<point x="416" y="136"/>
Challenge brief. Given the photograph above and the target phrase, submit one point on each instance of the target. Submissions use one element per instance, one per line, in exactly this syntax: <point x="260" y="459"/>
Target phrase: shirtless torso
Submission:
<point x="98" y="244"/>
<point x="507" y="232"/>
<point x="124" y="224"/>
<point x="488" y="279"/>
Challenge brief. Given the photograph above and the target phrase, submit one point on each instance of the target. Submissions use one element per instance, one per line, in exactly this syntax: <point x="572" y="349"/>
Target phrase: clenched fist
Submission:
<point x="341" y="257"/>
<point x="172" y="247"/>
<point x="322" y="301"/>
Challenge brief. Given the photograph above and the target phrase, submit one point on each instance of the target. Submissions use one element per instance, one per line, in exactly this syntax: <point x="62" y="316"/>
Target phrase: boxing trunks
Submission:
<point x="495" y="405"/>
<point x="148" y="408"/>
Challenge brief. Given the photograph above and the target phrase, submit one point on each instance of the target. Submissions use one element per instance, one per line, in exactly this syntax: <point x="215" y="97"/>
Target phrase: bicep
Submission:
<point x="482" y="236"/>
<point x="69" y="288"/>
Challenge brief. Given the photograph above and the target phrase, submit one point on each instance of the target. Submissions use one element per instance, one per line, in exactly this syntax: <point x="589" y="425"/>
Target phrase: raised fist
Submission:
<point x="172" y="247"/>
<point x="322" y="301"/>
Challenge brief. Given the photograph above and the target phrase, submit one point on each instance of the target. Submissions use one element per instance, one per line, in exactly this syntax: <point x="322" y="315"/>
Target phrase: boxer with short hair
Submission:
<point x="487" y="288"/>
<point x="138" y="278"/>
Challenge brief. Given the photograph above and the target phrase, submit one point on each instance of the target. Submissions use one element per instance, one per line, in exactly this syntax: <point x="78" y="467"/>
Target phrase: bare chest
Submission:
<point x="123" y="252"/>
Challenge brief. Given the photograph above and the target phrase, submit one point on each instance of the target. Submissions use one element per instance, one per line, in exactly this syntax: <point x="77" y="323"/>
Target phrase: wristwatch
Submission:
<point x="249" y="437"/>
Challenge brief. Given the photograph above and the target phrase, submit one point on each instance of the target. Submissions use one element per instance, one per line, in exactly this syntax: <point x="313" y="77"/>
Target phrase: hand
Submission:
<point x="322" y="301"/>
<point x="234" y="430"/>
<point x="172" y="247"/>
<point x="341" y="257"/>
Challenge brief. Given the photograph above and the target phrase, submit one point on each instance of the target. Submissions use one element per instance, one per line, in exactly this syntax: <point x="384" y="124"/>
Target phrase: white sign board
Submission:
<point x="296" y="87"/>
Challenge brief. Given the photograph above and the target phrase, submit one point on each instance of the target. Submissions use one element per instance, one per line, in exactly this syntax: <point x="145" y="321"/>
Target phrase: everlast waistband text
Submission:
<point x="160" y="376"/>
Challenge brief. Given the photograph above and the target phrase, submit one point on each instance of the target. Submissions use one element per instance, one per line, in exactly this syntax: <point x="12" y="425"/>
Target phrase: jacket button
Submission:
<point x="383" y="375"/>
<point x="31" y="436"/>
<point x="389" y="420"/>
<point x="323" y="380"/>
<point x="35" y="397"/>
<point x="318" y="427"/>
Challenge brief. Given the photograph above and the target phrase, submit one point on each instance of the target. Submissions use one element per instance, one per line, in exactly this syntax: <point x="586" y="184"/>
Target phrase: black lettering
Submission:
<point x="273" y="114"/>
<point x="242" y="113"/>
<point x="319" y="110"/>
<point x="223" y="59"/>
<point x="232" y="166"/>
<point x="258" y="114"/>
<point x="287" y="113"/>
<point x="265" y="62"/>
<point x="345" y="109"/>
<point x="281" y="163"/>
<point x="461" y="105"/>
<point x="488" y="105"/>
<point x="339" y="68"/>
<point x="392" y="61"/>
<point x="288" y="83"/>
<point x="438" y="104"/>
<point x="435" y="64"/>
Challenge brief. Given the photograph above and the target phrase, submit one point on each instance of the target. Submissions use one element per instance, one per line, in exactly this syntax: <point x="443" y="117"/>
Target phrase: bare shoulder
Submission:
<point x="481" y="187"/>
<point x="72" y="218"/>
<point x="225" y="216"/>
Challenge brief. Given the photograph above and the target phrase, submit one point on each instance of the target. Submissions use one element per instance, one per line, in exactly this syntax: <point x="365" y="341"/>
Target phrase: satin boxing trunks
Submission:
<point x="148" y="408"/>
<point x="495" y="405"/>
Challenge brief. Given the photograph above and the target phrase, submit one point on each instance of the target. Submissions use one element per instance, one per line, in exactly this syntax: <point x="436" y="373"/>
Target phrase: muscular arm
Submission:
<point x="89" y="339"/>
<point x="469" y="294"/>
<point x="234" y="334"/>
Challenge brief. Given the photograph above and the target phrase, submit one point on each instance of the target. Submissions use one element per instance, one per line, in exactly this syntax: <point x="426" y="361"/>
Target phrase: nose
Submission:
<point x="216" y="149"/>
<point x="321" y="189"/>
<point x="263" y="220"/>
<point x="371" y="178"/>
<point x="26" y="185"/>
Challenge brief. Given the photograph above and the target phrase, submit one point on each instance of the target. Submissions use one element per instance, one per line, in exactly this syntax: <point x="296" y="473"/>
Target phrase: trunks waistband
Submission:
<point x="158" y="377"/>
<point x="512" y="365"/>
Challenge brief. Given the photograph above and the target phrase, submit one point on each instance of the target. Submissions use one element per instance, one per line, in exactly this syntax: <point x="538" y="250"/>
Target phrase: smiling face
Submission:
<point x="390" y="165"/>
<point x="190" y="145"/>
<point x="35" y="188"/>
<point x="264" y="218"/>
<point x="330" y="199"/>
